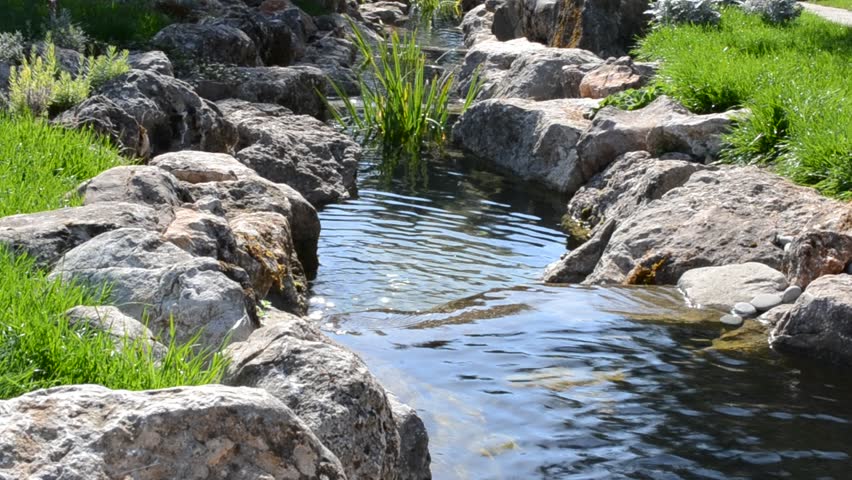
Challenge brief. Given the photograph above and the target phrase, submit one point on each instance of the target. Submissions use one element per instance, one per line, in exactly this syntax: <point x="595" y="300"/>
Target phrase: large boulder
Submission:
<point x="155" y="61"/>
<point x="491" y="61"/>
<point x="271" y="34"/>
<point x="613" y="76"/>
<point x="298" y="150"/>
<point x="210" y="43"/>
<point x="47" y="236"/>
<point x="139" y="184"/>
<point x="155" y="281"/>
<point x="476" y="26"/>
<point x="814" y="254"/>
<point x="819" y="325"/>
<point x="534" y="140"/>
<point x="108" y="119"/>
<point x="328" y="387"/>
<point x="88" y="432"/>
<point x="201" y="167"/>
<point x="414" y="458"/>
<point x="385" y="13"/>
<point x="122" y="329"/>
<point x="174" y="117"/>
<point x="724" y="286"/>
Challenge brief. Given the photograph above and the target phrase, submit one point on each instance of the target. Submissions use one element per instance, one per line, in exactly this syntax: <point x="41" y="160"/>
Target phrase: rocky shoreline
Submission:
<point x="222" y="218"/>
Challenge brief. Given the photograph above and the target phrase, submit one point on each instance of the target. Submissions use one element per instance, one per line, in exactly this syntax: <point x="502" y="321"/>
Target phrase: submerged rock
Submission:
<point x="87" y="432"/>
<point x="722" y="287"/>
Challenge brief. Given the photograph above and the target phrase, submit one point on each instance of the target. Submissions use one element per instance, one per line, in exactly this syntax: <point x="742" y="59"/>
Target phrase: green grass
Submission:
<point x="109" y="21"/>
<point x="795" y="79"/>
<point x="38" y="348"/>
<point x="845" y="4"/>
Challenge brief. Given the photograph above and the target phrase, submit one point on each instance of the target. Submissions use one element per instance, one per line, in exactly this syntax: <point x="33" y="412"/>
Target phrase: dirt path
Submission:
<point x="837" y="15"/>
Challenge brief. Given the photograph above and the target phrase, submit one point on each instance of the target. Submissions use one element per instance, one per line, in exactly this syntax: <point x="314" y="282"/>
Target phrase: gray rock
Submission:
<point x="791" y="294"/>
<point x="414" y="458"/>
<point x="140" y="184"/>
<point x="507" y="20"/>
<point x="385" y="13"/>
<point x="105" y="117"/>
<point x="817" y="253"/>
<point x="201" y="167"/>
<point x="476" y="26"/>
<point x="155" y="281"/>
<point x="818" y="325"/>
<point x="298" y="150"/>
<point x="773" y="316"/>
<point x="46" y="236"/>
<point x="292" y="87"/>
<point x="744" y="309"/>
<point x="271" y="33"/>
<point x="492" y="61"/>
<point x="86" y="432"/>
<point x="212" y="42"/>
<point x="613" y="76"/>
<point x="335" y="57"/>
<point x="848" y="270"/>
<point x="174" y="117"/>
<point x="766" y="301"/>
<point x="581" y="261"/>
<point x="533" y="140"/>
<point x="119" y="326"/>
<point x="329" y="387"/>
<point x="722" y="287"/>
<point x="731" y="320"/>
<point x="155" y="61"/>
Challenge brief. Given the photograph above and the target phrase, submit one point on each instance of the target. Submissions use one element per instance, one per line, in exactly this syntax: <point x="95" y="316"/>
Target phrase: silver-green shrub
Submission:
<point x="774" y="11"/>
<point x="65" y="33"/>
<point x="674" y="12"/>
<point x="11" y="47"/>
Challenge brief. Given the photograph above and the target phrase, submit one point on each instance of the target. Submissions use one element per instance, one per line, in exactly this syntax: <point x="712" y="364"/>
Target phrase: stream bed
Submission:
<point x="436" y="289"/>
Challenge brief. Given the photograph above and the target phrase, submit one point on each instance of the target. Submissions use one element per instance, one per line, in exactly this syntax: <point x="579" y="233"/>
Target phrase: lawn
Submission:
<point x="38" y="347"/>
<point x="795" y="79"/>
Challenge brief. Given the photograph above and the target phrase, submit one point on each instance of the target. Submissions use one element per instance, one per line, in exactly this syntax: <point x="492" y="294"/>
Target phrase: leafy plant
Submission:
<point x="633" y="99"/>
<point x="401" y="109"/>
<point x="11" y="47"/>
<point x="103" y="68"/>
<point x="63" y="32"/>
<point x="774" y="11"/>
<point x="675" y="12"/>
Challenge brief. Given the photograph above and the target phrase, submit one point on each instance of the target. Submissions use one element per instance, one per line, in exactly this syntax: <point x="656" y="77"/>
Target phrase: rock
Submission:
<point x="106" y="118"/>
<point x="190" y="10"/>
<point x="766" y="301"/>
<point x="773" y="316"/>
<point x="85" y="432"/>
<point x="414" y="458"/>
<point x="174" y="117"/>
<point x="200" y="167"/>
<point x="272" y="35"/>
<point x="119" y="326"/>
<point x="154" y="61"/>
<point x="210" y="43"/>
<point x="329" y="387"/>
<point x="335" y="57"/>
<point x="791" y="294"/>
<point x="139" y="184"/>
<point x="476" y="26"/>
<point x="731" y="320"/>
<point x="734" y="214"/>
<point x="46" y="236"/>
<point x="615" y="75"/>
<point x="744" y="309"/>
<point x="154" y="280"/>
<point x="818" y="326"/>
<point x="534" y="140"/>
<point x="266" y="238"/>
<point x="538" y="75"/>
<point x="385" y="13"/>
<point x="491" y="61"/>
<point x="255" y="194"/>
<point x="581" y="261"/>
<point x="661" y="127"/>
<point x="507" y="20"/>
<point x="814" y="254"/>
<point x="292" y="87"/>
<point x="204" y="234"/>
<point x="722" y="287"/>
<point x="298" y="150"/>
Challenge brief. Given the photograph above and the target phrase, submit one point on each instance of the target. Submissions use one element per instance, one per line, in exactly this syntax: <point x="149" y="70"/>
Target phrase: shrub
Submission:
<point x="104" y="68"/>
<point x="633" y="99"/>
<point x="63" y="32"/>
<point x="11" y="47"/>
<point x="674" y="12"/>
<point x="774" y="11"/>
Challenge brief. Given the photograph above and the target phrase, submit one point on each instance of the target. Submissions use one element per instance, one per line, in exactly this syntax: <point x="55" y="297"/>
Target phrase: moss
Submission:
<point x="578" y="233"/>
<point x="645" y="275"/>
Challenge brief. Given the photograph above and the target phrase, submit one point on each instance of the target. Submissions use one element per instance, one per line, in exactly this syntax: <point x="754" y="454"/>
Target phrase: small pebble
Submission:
<point x="766" y="301"/>
<point x="791" y="294"/>
<point x="745" y="310"/>
<point x="732" y="320"/>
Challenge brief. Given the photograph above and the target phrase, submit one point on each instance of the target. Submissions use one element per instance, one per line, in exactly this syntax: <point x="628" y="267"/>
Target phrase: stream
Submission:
<point x="436" y="288"/>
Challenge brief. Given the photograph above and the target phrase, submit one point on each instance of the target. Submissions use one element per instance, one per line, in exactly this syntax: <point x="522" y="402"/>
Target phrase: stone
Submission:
<point x="791" y="294"/>
<point x="301" y="151"/>
<point x="817" y="253"/>
<point x="661" y="127"/>
<point x="117" y="325"/>
<point x="613" y="76"/>
<point x="534" y="140"/>
<point x="722" y="287"/>
<point x="156" y="282"/>
<point x="414" y="459"/>
<point x="155" y="61"/>
<point x="577" y="264"/>
<point x="292" y="87"/>
<point x="491" y="62"/>
<point x="744" y="309"/>
<point x="774" y="315"/>
<point x="818" y="325"/>
<point x="329" y="387"/>
<point x="201" y="167"/>
<point x="538" y="75"/>
<point x="189" y="10"/>
<point x="731" y="320"/>
<point x="212" y="43"/>
<point x="476" y="26"/>
<point x="335" y="57"/>
<point x="385" y="13"/>
<point x="733" y="216"/>
<point x="766" y="301"/>
<point x="204" y="234"/>
<point x="139" y="184"/>
<point x="272" y="35"/>
<point x="108" y="119"/>
<point x="46" y="236"/>
<point x="172" y="114"/>
<point x="86" y="432"/>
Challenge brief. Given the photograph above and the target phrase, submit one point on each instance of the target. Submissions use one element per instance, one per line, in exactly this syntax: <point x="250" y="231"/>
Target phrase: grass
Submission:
<point x="794" y="79"/>
<point x="845" y="4"/>
<point x="401" y="109"/>
<point x="38" y="348"/>
<point x="121" y="22"/>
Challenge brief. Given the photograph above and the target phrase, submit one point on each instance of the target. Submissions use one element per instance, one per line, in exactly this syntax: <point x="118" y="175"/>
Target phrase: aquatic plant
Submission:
<point x="401" y="109"/>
